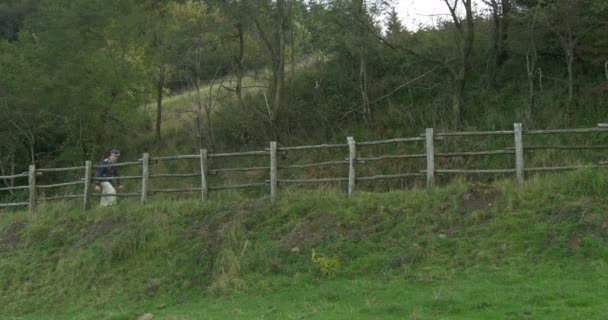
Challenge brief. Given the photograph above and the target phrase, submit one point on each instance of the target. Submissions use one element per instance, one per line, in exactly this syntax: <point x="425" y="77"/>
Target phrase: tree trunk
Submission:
<point x="467" y="50"/>
<point x="32" y="151"/>
<point x="502" y="51"/>
<point x="570" y="62"/>
<point x="240" y="65"/>
<point x="159" y="99"/>
<point x="292" y="62"/>
<point x="457" y="100"/>
<point x="276" y="48"/>
<point x="501" y="18"/>
<point x="469" y="37"/>
<point x="208" y="111"/>
<point x="199" y="127"/>
<point x="466" y="36"/>
<point x="12" y="180"/>
<point x="279" y="85"/>
<point x="360" y="14"/>
<point x="210" y="143"/>
<point x="531" y="59"/>
<point x="198" y="112"/>
<point x="83" y="145"/>
<point x="365" y="104"/>
<point x="493" y="57"/>
<point x="530" y="66"/>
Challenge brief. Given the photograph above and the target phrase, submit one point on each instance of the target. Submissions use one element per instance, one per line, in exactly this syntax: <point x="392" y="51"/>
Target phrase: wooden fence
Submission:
<point x="428" y="138"/>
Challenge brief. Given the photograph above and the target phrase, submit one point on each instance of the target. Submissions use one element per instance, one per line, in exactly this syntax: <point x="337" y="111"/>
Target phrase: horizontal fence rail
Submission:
<point x="175" y="190"/>
<point x="474" y="153"/>
<point x="121" y="164"/>
<point x="561" y="131"/>
<point x="14" y="204"/>
<point x="121" y="178"/>
<point x="353" y="160"/>
<point x="319" y="146"/>
<point x="238" y="154"/>
<point x="21" y="175"/>
<point x="391" y="157"/>
<point x="314" y="165"/>
<point x="564" y="168"/>
<point x="60" y="169"/>
<point x="119" y="195"/>
<point x="313" y="180"/>
<point x="175" y="175"/>
<point x="238" y="169"/>
<point x="183" y="157"/>
<point x="396" y="140"/>
<point x="15" y="188"/>
<point x="532" y="148"/>
<point x="475" y="133"/>
<point x="239" y="186"/>
<point x="391" y="176"/>
<point x="73" y="183"/>
<point x="474" y="171"/>
<point x="67" y="196"/>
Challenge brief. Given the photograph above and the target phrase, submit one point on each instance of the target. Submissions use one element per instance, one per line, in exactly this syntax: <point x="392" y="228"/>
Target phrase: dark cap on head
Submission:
<point x="116" y="152"/>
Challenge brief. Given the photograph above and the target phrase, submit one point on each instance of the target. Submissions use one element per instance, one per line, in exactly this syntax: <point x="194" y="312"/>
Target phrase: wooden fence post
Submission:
<point x="32" y="183"/>
<point x="519" y="154"/>
<point x="273" y="171"/>
<point x="203" y="160"/>
<point x="430" y="159"/>
<point x="145" y="177"/>
<point x="352" y="154"/>
<point x="88" y="165"/>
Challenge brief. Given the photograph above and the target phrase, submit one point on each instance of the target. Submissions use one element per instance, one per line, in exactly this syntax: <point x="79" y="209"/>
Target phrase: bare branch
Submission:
<point x="584" y="32"/>
<point x="264" y="36"/>
<point x="457" y="21"/>
<point x="396" y="46"/>
<point x="270" y="115"/>
<point x="407" y="83"/>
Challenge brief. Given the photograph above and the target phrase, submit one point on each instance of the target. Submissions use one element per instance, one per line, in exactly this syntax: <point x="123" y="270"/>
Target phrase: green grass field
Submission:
<point x="462" y="252"/>
<point x="567" y="291"/>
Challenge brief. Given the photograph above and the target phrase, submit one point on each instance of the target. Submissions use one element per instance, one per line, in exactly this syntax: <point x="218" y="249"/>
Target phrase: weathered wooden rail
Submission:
<point x="352" y="161"/>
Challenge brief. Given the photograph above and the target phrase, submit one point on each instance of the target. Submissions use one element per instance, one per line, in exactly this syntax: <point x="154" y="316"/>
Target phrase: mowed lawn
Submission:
<point x="576" y="290"/>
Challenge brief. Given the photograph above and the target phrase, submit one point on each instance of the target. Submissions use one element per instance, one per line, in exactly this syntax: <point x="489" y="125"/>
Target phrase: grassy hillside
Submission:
<point x="461" y="252"/>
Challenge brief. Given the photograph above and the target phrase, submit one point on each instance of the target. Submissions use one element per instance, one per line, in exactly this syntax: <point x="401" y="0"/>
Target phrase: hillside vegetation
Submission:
<point x="291" y="70"/>
<point x="466" y="251"/>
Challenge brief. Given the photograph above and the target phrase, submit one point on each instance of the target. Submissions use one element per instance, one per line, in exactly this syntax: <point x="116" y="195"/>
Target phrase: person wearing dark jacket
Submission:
<point x="106" y="176"/>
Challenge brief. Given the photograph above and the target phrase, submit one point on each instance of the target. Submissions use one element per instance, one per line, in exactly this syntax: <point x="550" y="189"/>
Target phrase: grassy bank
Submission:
<point x="462" y="252"/>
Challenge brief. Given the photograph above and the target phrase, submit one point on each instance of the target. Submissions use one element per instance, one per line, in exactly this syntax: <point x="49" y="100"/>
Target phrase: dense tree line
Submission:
<point x="79" y="76"/>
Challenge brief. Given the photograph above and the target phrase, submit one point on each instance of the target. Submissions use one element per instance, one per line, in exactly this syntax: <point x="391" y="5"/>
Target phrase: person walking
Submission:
<point x="106" y="175"/>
